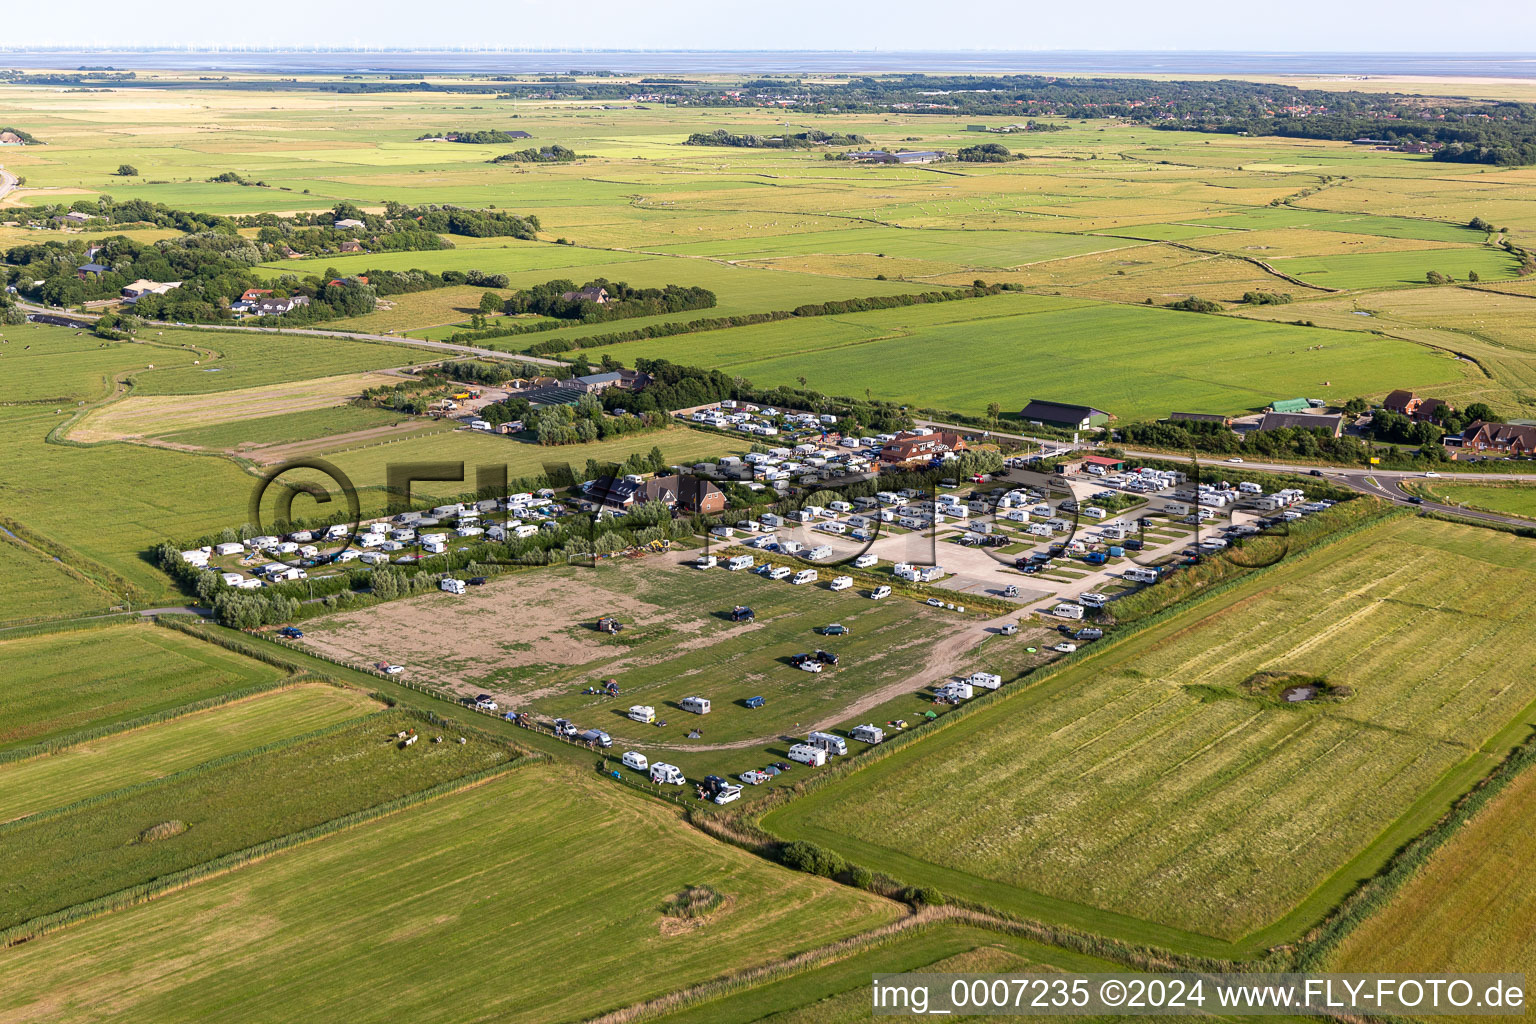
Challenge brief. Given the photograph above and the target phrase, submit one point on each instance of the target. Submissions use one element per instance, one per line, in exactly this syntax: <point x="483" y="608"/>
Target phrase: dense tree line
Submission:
<point x="1217" y="439"/>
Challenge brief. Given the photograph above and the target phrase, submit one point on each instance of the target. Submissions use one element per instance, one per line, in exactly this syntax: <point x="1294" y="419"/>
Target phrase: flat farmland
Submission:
<point x="109" y="503"/>
<point x="1132" y="361"/>
<point x="501" y="876"/>
<point x="58" y="683"/>
<point x="1398" y="269"/>
<point x="680" y="634"/>
<point x="255" y="414"/>
<point x="367" y="466"/>
<point x="91" y="849"/>
<point x="1162" y="790"/>
<point x="1469" y="906"/>
<point x="36" y="586"/>
<point x="55" y="364"/>
<point x="125" y="759"/>
<point x="232" y="360"/>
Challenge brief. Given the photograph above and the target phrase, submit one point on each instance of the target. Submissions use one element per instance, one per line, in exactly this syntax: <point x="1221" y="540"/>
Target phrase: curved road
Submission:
<point x="8" y="182"/>
<point x="1380" y="483"/>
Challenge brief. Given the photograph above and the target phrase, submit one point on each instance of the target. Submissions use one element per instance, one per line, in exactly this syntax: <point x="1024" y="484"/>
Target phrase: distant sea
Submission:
<point x="1436" y="65"/>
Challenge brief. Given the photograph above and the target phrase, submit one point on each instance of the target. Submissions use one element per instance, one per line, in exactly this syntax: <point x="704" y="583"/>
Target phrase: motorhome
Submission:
<point x="868" y="733"/>
<point x="804" y="576"/>
<point x="643" y="713"/>
<point x="698" y="705"/>
<point x="829" y="742"/>
<point x="664" y="774"/>
<point x="740" y="562"/>
<point x="804" y="753"/>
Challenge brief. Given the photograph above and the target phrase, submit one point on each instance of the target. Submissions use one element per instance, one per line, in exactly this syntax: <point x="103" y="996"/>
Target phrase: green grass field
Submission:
<point x="58" y="683"/>
<point x="28" y="573"/>
<point x="539" y="866"/>
<point x="1510" y="499"/>
<point x="124" y="759"/>
<point x="1399" y="269"/>
<point x="83" y="851"/>
<point x="1131" y="361"/>
<point x="1154" y="784"/>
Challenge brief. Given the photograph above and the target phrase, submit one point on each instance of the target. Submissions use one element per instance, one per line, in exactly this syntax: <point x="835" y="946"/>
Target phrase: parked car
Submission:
<point x="836" y="629"/>
<point x="753" y="777"/>
<point x="476" y="581"/>
<point x="810" y="666"/>
<point x="1065" y="647"/>
<point x="289" y="633"/>
<point x="755" y="702"/>
<point x="826" y="657"/>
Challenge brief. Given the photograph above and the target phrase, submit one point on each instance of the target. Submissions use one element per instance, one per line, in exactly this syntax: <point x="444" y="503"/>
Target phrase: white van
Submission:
<point x="865" y="560"/>
<point x="636" y="760"/>
<point x="778" y="572"/>
<point x="698" y="705"/>
<point x="829" y="742"/>
<point x="804" y="576"/>
<point x="740" y="562"/>
<point x="879" y="593"/>
<point x="664" y="774"/>
<point x="804" y="753"/>
<point x="642" y="713"/>
<point x="841" y="583"/>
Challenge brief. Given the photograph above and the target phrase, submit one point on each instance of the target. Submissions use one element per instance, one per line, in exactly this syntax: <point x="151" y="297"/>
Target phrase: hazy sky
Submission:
<point x="1307" y="25"/>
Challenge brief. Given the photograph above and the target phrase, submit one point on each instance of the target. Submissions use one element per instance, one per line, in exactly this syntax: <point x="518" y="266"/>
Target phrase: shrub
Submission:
<point x="923" y="896"/>
<point x="813" y="859"/>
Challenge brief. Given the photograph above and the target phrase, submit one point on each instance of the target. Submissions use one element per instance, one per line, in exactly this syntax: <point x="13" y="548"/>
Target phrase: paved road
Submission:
<point x="1380" y="483"/>
<point x="437" y="346"/>
<point x="8" y="181"/>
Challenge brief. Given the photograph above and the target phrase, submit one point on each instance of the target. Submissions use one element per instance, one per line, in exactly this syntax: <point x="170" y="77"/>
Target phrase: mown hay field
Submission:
<point x="536" y="867"/>
<point x="54" y="684"/>
<point x="246" y="414"/>
<point x="96" y="847"/>
<point x="1469" y="906"/>
<point x="1163" y="782"/>
<point x="124" y="759"/>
